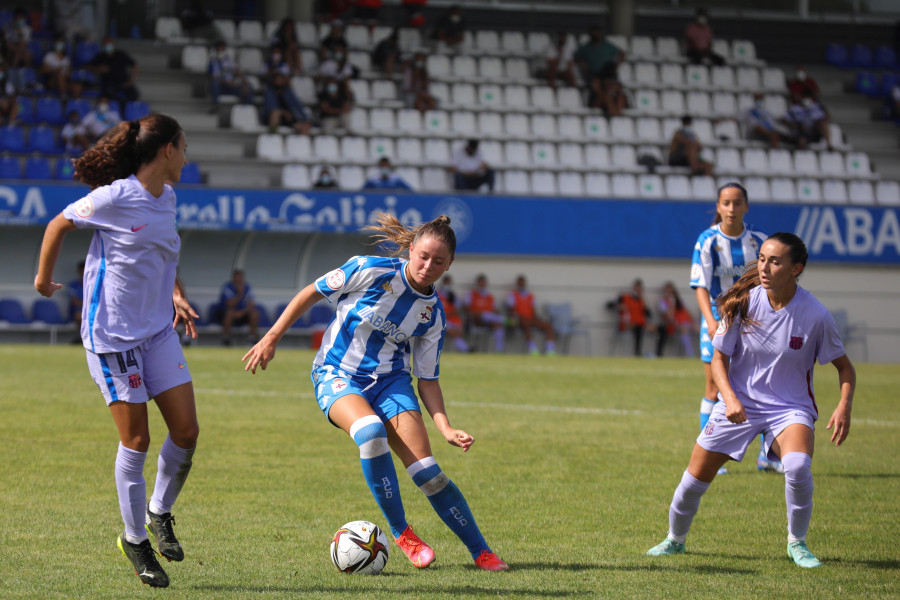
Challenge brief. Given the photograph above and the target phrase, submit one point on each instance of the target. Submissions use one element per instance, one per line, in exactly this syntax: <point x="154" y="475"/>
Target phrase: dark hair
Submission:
<point x="731" y="184"/>
<point x="125" y="148"/>
<point x="735" y="301"/>
<point x="686" y="120"/>
<point x="391" y="232"/>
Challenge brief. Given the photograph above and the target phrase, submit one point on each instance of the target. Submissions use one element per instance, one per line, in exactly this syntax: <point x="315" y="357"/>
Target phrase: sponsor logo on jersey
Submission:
<point x="386" y="286"/>
<point x="338" y="385"/>
<point x="388" y="328"/>
<point x="335" y="279"/>
<point x="133" y="228"/>
<point x="182" y="364"/>
<point x="84" y="208"/>
<point x="732" y="272"/>
<point x="135" y="380"/>
<point x="425" y="314"/>
<point x="796" y="342"/>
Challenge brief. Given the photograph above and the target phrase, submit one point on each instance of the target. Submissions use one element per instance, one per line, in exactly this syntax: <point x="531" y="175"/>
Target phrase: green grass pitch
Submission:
<point x="570" y="478"/>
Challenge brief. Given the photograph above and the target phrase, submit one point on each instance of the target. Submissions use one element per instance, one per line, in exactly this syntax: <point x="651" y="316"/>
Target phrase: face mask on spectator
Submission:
<point x="808" y="102"/>
<point x="109" y="48"/>
<point x="454" y="18"/>
<point x="758" y="103"/>
<point x="385" y="171"/>
<point x="338" y="56"/>
<point x="276" y="58"/>
<point x="325" y="179"/>
<point x="102" y="107"/>
<point x="701" y="19"/>
<point x="687" y="129"/>
<point x="332" y="88"/>
<point x="59" y="46"/>
<point x="801" y="75"/>
<point x="419" y="64"/>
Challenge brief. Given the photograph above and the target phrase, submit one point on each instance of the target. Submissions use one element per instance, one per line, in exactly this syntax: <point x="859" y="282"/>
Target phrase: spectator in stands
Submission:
<point x="335" y="104"/>
<point x="454" y="318"/>
<point x="75" y="291"/>
<point x="520" y="304"/>
<point x="367" y="11"/>
<point x="386" y="53"/>
<point x="286" y="38"/>
<point x="225" y="77"/>
<point x="100" y="120"/>
<point x="237" y="307"/>
<point x="384" y="178"/>
<point x="674" y="318"/>
<point x="56" y="70"/>
<point x="608" y="95"/>
<point x="416" y="84"/>
<point x="196" y="19"/>
<point x="74" y="134"/>
<point x="560" y="59"/>
<point x="760" y="124"/>
<point x="685" y="149"/>
<point x="470" y="170"/>
<point x="281" y="106"/>
<point x="801" y="83"/>
<point x="698" y="41"/>
<point x="415" y="17"/>
<point x="480" y="311"/>
<point x="808" y="121"/>
<point x="634" y="314"/>
<point x="330" y="42"/>
<point x="16" y="55"/>
<point x="450" y="30"/>
<point x="892" y="103"/>
<point x="326" y="179"/>
<point x="337" y="66"/>
<point x="118" y="72"/>
<point x="599" y="58"/>
<point x="9" y="104"/>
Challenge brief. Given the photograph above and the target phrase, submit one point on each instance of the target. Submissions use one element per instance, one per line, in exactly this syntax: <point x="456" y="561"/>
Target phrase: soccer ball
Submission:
<point x="359" y="547"/>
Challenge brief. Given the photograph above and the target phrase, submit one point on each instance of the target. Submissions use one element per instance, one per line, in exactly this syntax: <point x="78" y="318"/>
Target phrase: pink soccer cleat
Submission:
<point x="419" y="553"/>
<point x="490" y="562"/>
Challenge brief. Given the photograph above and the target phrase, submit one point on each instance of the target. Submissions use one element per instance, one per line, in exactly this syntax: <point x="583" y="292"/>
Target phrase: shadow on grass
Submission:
<point x="462" y="591"/>
<point x="884" y="565"/>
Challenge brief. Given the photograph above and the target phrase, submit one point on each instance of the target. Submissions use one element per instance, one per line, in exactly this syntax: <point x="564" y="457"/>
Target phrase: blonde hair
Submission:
<point x="391" y="232"/>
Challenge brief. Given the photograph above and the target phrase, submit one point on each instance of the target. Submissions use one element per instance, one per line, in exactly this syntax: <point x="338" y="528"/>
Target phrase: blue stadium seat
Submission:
<point x="888" y="81"/>
<point x="12" y="139"/>
<point x="861" y="57"/>
<point x="201" y="320"/>
<point x="80" y="105"/>
<point x="136" y="109"/>
<point x="191" y="173"/>
<point x="84" y="52"/>
<point x="837" y="55"/>
<point x="36" y="47"/>
<point x="49" y="109"/>
<point x="38" y="167"/>
<point x="264" y="319"/>
<point x="10" y="168"/>
<point x="87" y="78"/>
<point x="867" y="83"/>
<point x="301" y="323"/>
<point x="11" y="310"/>
<point x="885" y="58"/>
<point x="43" y="139"/>
<point x="64" y="170"/>
<point x="47" y="311"/>
<point x="26" y="110"/>
<point x="29" y="76"/>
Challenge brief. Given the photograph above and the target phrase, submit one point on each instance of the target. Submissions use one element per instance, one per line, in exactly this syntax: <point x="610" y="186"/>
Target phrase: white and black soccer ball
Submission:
<point x="360" y="547"/>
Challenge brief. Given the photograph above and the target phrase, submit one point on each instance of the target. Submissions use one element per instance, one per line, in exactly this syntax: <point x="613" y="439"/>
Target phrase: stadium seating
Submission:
<point x="47" y="311"/>
<point x="12" y="311"/>
<point x="12" y="139"/>
<point x="37" y="167"/>
<point x="10" y="168"/>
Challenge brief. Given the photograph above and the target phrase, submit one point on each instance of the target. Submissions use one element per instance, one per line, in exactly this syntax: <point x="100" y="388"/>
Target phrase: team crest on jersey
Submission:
<point x="338" y="385"/>
<point x="696" y="271"/>
<point x="710" y="426"/>
<point x="386" y="286"/>
<point x="720" y="330"/>
<point x="135" y="380"/>
<point x="335" y="279"/>
<point x="796" y="342"/>
<point x="424" y="315"/>
<point x="84" y="208"/>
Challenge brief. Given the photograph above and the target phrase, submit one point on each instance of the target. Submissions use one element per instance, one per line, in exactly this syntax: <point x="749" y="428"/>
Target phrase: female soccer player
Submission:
<point x="127" y="328"/>
<point x="720" y="256"/>
<point x="771" y="334"/>
<point x="388" y="313"/>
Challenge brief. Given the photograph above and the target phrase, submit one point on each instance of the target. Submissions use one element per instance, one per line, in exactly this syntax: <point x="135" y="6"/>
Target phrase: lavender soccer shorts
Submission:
<point x="721" y="435"/>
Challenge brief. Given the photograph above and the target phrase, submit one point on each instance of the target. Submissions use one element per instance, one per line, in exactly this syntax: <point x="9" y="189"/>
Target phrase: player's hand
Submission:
<point x="46" y="288"/>
<point x="840" y="420"/>
<point x="185" y="313"/>
<point x="734" y="411"/>
<point x="711" y="326"/>
<point x="459" y="438"/>
<point x="259" y="355"/>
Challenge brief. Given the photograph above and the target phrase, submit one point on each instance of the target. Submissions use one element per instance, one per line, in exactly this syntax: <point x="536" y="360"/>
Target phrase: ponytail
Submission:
<point x="735" y="301"/>
<point x="392" y="233"/>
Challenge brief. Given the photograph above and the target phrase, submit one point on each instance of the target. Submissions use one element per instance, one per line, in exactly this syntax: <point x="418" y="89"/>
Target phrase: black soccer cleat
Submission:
<point x="143" y="558"/>
<point x="161" y="527"/>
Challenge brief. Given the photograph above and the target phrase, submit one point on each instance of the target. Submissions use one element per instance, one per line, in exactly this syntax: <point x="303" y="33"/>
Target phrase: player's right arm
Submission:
<point x="50" y="247"/>
<point x="734" y="408"/>
<point x="705" y="304"/>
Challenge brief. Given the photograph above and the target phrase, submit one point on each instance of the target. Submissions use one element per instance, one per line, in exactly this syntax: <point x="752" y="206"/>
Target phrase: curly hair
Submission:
<point x="125" y="148"/>
<point x="391" y="232"/>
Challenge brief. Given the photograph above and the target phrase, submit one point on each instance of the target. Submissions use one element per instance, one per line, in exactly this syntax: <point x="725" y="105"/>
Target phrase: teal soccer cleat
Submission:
<point x="802" y="556"/>
<point x="666" y="548"/>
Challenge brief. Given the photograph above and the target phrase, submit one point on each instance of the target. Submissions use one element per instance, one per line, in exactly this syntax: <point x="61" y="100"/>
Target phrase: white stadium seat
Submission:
<point x="648" y="130"/>
<point x="697" y="76"/>
<point x="624" y="157"/>
<point x="887" y="193"/>
<point x="326" y="147"/>
<point x="860" y="191"/>
<point x="298" y="147"/>
<point x="678" y="187"/>
<point x="490" y="124"/>
<point x="722" y="77"/>
<point x="464" y="67"/>
<point x="543" y="183"/>
<point x="517" y="153"/>
<point x="596" y="127"/>
<point x="409" y="120"/>
<point x="672" y="102"/>
<point x="436" y="121"/>
<point x="596" y="156"/>
<point x="491" y="95"/>
<point x="703" y="188"/>
<point x="381" y="146"/>
<point x="748" y="78"/>
<point x="463" y="122"/>
<point x="437" y="151"/>
<point x="543" y="125"/>
<point x="245" y="117"/>
<point x="250" y="32"/>
<point x="270" y="146"/>
<point x="809" y="190"/>
<point x="516" y="125"/>
<point x="743" y="52"/>
<point x="570" y="127"/>
<point x="168" y="29"/>
<point x="646" y="102"/>
<point x="782" y="189"/>
<point x="857" y="164"/>
<point x="357" y="37"/>
<point x="513" y="42"/>
<point x="295" y="177"/>
<point x="806" y="162"/>
<point x="411" y="176"/>
<point x="724" y="104"/>
<point x="409" y="150"/>
<point x="354" y="149"/>
<point x="624" y="185"/>
<point x="698" y="103"/>
<point x="642" y="47"/>
<point x="758" y="188"/>
<point x="570" y="184"/>
<point x="225" y="29"/>
<point x="756" y="160"/>
<point x="597" y="185"/>
<point x="490" y="68"/>
<point x="434" y="179"/>
<point x="543" y="154"/>
<point x="351" y="177"/>
<point x="780" y="162"/>
<point x="622" y="128"/>
<point x="487" y="41"/>
<point x="650" y="186"/>
<point x="671" y="74"/>
<point x="382" y="119"/>
<point x="195" y="58"/>
<point x="834" y="191"/>
<point x="516" y="182"/>
<point x="668" y="49"/>
<point x="831" y="163"/>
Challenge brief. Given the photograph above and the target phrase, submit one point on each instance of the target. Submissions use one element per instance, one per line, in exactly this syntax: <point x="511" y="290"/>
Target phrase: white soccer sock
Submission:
<point x="706" y="406"/>
<point x="685" y="503"/>
<point x="173" y="467"/>
<point x="460" y="344"/>
<point x="798" y="493"/>
<point x="132" y="491"/>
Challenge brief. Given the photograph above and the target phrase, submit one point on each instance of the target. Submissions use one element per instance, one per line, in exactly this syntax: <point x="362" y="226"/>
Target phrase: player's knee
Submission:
<point x="797" y="467"/>
<point x="428" y="476"/>
<point x="370" y="435"/>
<point x="186" y="435"/>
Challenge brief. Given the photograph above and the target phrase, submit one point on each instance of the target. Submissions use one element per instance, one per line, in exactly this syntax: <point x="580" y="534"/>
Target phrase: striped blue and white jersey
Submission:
<point x="380" y="322"/>
<point x="719" y="260"/>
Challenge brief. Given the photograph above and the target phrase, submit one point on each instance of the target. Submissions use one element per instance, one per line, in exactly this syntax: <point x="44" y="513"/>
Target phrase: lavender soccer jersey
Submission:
<point x="772" y="361"/>
<point x="129" y="271"/>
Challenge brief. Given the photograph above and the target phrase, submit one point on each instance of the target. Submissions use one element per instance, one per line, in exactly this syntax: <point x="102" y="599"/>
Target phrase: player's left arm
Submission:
<point x="184" y="312"/>
<point x="433" y="399"/>
<point x="840" y="419"/>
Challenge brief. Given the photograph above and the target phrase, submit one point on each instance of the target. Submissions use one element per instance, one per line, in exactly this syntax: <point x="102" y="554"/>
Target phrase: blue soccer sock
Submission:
<point x="706" y="407"/>
<point x="449" y="503"/>
<point x="378" y="468"/>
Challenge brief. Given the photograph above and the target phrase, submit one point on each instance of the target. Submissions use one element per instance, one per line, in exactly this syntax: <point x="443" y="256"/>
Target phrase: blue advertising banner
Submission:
<point x="506" y="225"/>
